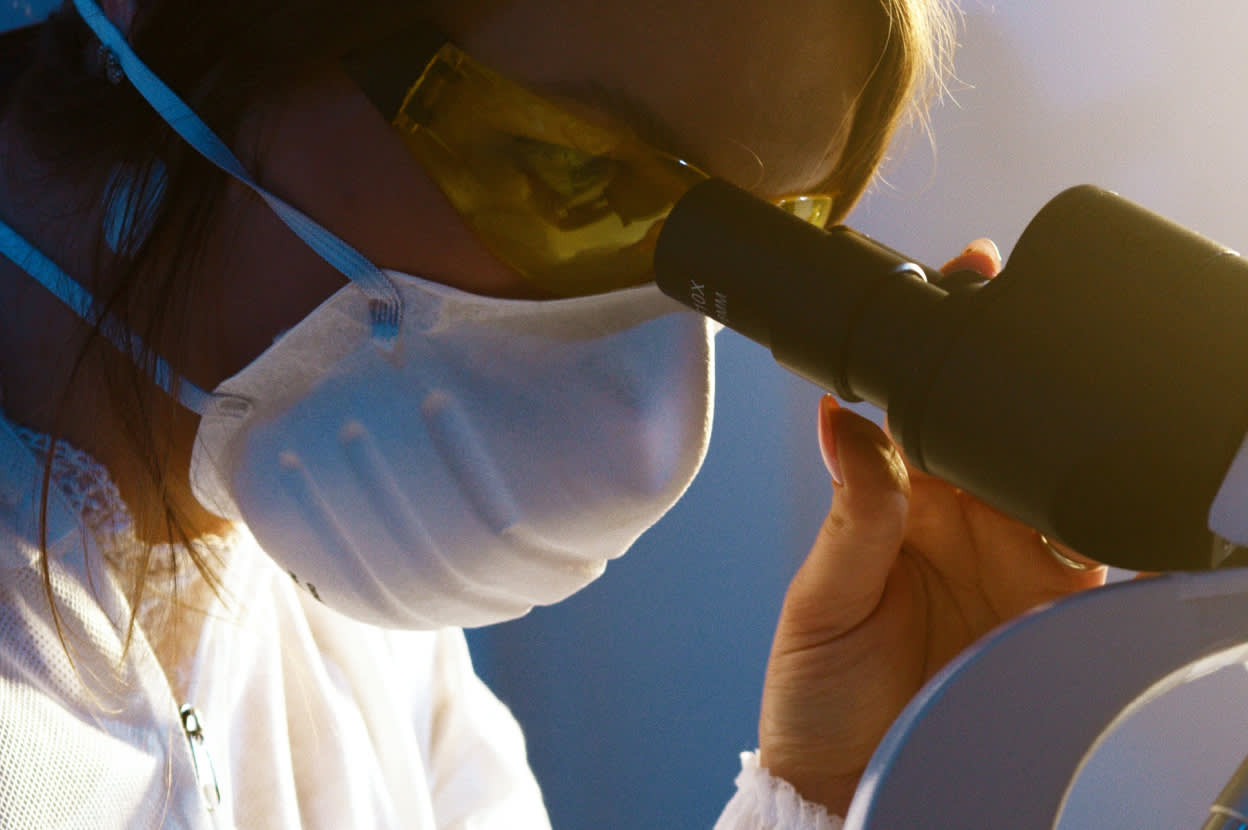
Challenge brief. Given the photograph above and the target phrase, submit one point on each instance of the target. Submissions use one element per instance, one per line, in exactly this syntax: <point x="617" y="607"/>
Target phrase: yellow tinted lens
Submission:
<point x="573" y="206"/>
<point x="814" y="209"/>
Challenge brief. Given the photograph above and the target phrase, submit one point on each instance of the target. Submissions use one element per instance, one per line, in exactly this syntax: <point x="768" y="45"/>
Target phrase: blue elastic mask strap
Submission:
<point x="385" y="305"/>
<point x="48" y="274"/>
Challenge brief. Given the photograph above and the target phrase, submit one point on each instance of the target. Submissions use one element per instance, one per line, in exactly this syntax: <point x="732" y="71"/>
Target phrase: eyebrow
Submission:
<point x="627" y="110"/>
<point x="384" y="73"/>
<point x="622" y="108"/>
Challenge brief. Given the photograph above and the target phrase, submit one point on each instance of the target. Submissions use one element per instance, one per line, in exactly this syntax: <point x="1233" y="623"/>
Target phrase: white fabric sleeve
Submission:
<point x="764" y="802"/>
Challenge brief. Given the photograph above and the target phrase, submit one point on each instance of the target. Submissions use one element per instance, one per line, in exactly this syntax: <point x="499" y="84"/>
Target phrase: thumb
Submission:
<point x="841" y="582"/>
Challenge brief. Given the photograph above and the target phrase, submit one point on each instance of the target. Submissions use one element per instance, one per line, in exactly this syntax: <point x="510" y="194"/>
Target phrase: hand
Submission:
<point x="906" y="572"/>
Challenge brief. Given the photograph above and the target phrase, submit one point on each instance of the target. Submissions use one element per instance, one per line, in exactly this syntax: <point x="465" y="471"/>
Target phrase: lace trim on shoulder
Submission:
<point x="91" y="493"/>
<point x="83" y="481"/>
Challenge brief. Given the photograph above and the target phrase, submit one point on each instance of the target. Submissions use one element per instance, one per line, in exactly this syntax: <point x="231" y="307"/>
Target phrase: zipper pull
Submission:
<point x="205" y="773"/>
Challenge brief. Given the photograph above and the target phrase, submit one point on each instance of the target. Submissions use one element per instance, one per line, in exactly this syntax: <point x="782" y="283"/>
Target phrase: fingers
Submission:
<point x="981" y="256"/>
<point x="1069" y="558"/>
<point x="843" y="578"/>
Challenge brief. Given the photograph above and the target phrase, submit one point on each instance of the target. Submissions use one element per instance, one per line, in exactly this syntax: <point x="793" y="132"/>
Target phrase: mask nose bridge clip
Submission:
<point x="229" y="406"/>
<point x="386" y="316"/>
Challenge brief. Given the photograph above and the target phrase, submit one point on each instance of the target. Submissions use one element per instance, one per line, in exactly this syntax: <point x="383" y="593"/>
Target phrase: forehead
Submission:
<point x="756" y="91"/>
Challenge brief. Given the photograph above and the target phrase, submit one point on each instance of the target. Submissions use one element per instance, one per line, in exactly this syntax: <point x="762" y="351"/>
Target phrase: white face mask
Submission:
<point x="495" y="459"/>
<point x="417" y="456"/>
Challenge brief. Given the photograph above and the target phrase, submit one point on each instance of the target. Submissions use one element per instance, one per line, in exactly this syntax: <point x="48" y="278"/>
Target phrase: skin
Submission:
<point x="905" y="572"/>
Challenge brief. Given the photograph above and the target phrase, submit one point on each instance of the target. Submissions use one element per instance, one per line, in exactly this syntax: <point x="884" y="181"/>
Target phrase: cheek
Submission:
<point x="770" y="166"/>
<point x="777" y="131"/>
<point x="264" y="280"/>
<point x="348" y="169"/>
<point x="328" y="153"/>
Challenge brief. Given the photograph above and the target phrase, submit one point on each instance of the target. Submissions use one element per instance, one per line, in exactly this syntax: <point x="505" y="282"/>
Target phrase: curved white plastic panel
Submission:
<point x="996" y="738"/>
<point x="1228" y="515"/>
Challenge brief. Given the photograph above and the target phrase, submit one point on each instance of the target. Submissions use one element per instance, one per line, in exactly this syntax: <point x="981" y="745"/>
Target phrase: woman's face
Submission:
<point x="754" y="91"/>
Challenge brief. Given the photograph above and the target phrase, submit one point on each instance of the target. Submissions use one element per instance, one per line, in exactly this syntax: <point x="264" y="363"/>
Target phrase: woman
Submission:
<point x="473" y="430"/>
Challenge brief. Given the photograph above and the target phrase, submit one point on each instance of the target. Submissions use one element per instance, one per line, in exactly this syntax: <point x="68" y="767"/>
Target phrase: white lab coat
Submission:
<point x="310" y="720"/>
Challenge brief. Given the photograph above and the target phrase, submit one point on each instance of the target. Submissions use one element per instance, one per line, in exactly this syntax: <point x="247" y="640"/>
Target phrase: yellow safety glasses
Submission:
<point x="573" y="206"/>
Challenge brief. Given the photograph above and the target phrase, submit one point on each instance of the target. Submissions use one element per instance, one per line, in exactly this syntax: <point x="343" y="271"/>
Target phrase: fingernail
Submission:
<point x="827" y="441"/>
<point x="984" y="245"/>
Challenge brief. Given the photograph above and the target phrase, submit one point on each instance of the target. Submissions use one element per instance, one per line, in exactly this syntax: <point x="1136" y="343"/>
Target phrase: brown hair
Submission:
<point x="917" y="40"/>
<point x="225" y="56"/>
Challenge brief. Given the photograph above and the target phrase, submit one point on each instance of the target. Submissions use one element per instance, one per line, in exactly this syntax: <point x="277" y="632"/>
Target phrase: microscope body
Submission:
<point x="1097" y="389"/>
